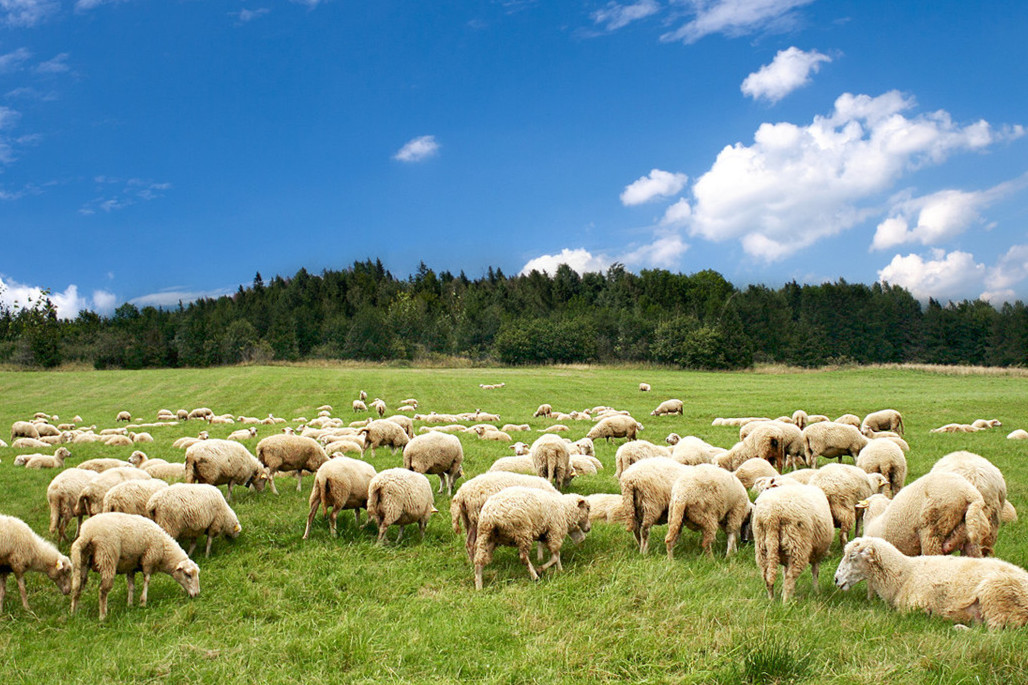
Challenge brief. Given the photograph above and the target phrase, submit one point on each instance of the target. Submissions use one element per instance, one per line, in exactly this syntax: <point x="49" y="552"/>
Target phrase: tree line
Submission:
<point x="697" y="321"/>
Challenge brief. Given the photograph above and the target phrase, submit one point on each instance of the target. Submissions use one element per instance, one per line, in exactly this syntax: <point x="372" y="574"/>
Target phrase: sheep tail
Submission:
<point x="1008" y="514"/>
<point x="81" y="557"/>
<point x="458" y="516"/>
<point x="373" y="498"/>
<point x="977" y="524"/>
<point x="55" y="517"/>
<point x="901" y="429"/>
<point x="631" y="504"/>
<point x="190" y="471"/>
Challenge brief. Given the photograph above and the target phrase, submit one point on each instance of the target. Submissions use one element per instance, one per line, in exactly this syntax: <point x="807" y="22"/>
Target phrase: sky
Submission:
<point x="153" y="151"/>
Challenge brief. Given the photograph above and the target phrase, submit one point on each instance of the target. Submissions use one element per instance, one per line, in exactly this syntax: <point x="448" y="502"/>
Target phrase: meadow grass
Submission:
<point x="274" y="608"/>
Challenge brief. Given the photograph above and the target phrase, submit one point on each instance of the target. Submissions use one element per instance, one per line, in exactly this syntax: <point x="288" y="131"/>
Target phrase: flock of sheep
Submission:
<point x="132" y="515"/>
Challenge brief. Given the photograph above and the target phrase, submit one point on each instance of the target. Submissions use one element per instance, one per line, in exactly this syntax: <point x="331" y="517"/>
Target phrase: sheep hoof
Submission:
<point x="960" y="626"/>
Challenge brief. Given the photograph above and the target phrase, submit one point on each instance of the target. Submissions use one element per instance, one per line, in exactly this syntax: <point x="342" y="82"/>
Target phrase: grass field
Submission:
<point x="276" y="609"/>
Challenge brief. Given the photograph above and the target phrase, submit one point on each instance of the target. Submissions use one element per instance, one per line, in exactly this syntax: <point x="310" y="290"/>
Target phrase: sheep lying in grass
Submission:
<point x="290" y="453"/>
<point x="1019" y="434"/>
<point x="468" y="500"/>
<point x="646" y="495"/>
<point x="704" y="498"/>
<point x="436" y="453"/>
<point x="45" y="461"/>
<point x="187" y="510"/>
<point x="21" y="550"/>
<point x="243" y="434"/>
<point x="792" y="526"/>
<point x="960" y="589"/>
<point x="103" y="464"/>
<point x="400" y="497"/>
<point x="116" y="543"/>
<point x="340" y="483"/>
<point x="519" y="516"/>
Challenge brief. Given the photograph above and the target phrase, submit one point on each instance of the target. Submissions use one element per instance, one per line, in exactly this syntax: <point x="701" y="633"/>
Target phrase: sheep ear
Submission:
<point x="237" y="528"/>
<point x="434" y="510"/>
<point x="863" y="504"/>
<point x="869" y="553"/>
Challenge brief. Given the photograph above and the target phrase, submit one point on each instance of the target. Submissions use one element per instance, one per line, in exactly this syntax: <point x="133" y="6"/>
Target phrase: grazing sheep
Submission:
<point x="832" y="440"/>
<point x="616" y="426"/>
<point x="792" y="526"/>
<point x="187" y="510"/>
<point x="24" y="429"/>
<point x="290" y="453"/>
<point x="468" y="500"/>
<point x="582" y="465"/>
<point x="381" y="432"/>
<point x="849" y="420"/>
<point x="885" y="457"/>
<point x="116" y="543"/>
<point x="644" y="387"/>
<point x="220" y="462"/>
<point x="123" y="416"/>
<point x="799" y="418"/>
<point x="604" y="508"/>
<point x="704" y="498"/>
<point x="203" y="413"/>
<point x="400" y="497"/>
<point x="359" y="406"/>
<point x="646" y="495"/>
<point x="519" y="516"/>
<point x="635" y="451"/>
<point x="988" y="480"/>
<point x="691" y="450"/>
<point x="963" y="590"/>
<point x="340" y="483"/>
<point x="789" y="434"/>
<point x="404" y="422"/>
<point x="378" y="405"/>
<point x="884" y="420"/>
<point x="585" y="447"/>
<point x="118" y="441"/>
<point x="436" y="453"/>
<point x="158" y="468"/>
<point x="669" y="407"/>
<point x="131" y="496"/>
<point x="767" y="442"/>
<point x="21" y="550"/>
<point x="845" y="486"/>
<point x="752" y="469"/>
<point x="187" y="442"/>
<point x="552" y="460"/>
<point x="938" y="513"/>
<point x="63" y="495"/>
<point x="543" y="410"/>
<point x="91" y="498"/>
<point x="44" y="461"/>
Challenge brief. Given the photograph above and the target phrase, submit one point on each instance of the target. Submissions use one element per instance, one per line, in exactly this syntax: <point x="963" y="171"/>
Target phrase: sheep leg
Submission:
<point x="332" y="519"/>
<point x="130" y="581"/>
<point x="400" y="535"/>
<point x="382" y="528"/>
<point x="310" y="520"/>
<point x="421" y="525"/>
<point x="106" y="583"/>
<point x="146" y="587"/>
<point x="192" y="548"/>
<point x="539" y="550"/>
<point x="526" y="558"/>
<point x="210" y="539"/>
<point x="442" y="479"/>
<point x="770" y="576"/>
<point x="732" y="544"/>
<point x="271" y="482"/>
<point x="470" y="540"/>
<point x="554" y="560"/>
<point x="815" y="568"/>
<point x="707" y="542"/>
<point x="230" y="484"/>
<point x="3" y="589"/>
<point x="674" y="531"/>
<point x="299" y="480"/>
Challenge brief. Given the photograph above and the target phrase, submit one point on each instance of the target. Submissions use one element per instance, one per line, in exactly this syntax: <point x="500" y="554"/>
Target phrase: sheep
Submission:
<point x="220" y="462"/>
<point x="381" y="432"/>
<point x="963" y="590"/>
<point x="558" y="428"/>
<point x="399" y="496"/>
<point x="646" y="495"/>
<point x="616" y="426"/>
<point x="158" y="468"/>
<point x="515" y="427"/>
<point x="340" y="483"/>
<point x="987" y="479"/>
<point x="21" y="550"/>
<point x="585" y="447"/>
<point x="103" y="464"/>
<point x="90" y="501"/>
<point x="703" y="498"/>
<point x="604" y="508"/>
<point x="792" y="526"/>
<point x="378" y="405"/>
<point x="182" y="415"/>
<point x="403" y="422"/>
<point x="187" y="442"/>
<point x="767" y="442"/>
<point x="936" y="514"/>
<point x="24" y="429"/>
<point x="582" y="465"/>
<point x="34" y="443"/>
<point x="691" y="450"/>
<point x="123" y="416"/>
<point x="131" y="496"/>
<point x="849" y="420"/>
<point x="737" y="421"/>
<point x="290" y="453"/>
<point x="799" y="418"/>
<point x="200" y="413"/>
<point x="44" y="461"/>
<point x="884" y="420"/>
<point x="516" y="464"/>
<point x="436" y="453"/>
<point x="62" y="495"/>
<point x="363" y="395"/>
<point x="141" y="437"/>
<point x="190" y="510"/>
<point x="115" y="543"/>
<point x="468" y="500"/>
<point x="752" y="469"/>
<point x="884" y="457"/>
<point x="644" y="387"/>
<point x="987" y="423"/>
<point x="1019" y="434"/>
<point x="832" y="440"/>
<point x="635" y="451"/>
<point x="243" y="434"/>
<point x="669" y="407"/>
<point x="342" y="447"/>
<point x="845" y="486"/>
<point x="956" y="428"/>
<point x="552" y="460"/>
<point x="519" y="516"/>
<point x="543" y="410"/>
<point x="495" y="436"/>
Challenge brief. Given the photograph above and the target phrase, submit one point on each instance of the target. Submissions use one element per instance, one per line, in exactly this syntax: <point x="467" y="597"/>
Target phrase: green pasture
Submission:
<point x="276" y="609"/>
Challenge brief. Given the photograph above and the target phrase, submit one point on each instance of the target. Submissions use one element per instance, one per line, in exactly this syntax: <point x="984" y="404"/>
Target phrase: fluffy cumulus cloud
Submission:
<point x="789" y="70"/>
<point x="581" y="260"/>
<point x="677" y="214"/>
<point x="658" y="184"/>
<point x="733" y="17"/>
<point x="664" y="252"/>
<point x="617" y="15"/>
<point x="797" y="184"/>
<point x="1010" y="270"/>
<point x="418" y="149"/>
<point x="26" y="12"/>
<point x="68" y="302"/>
<point x="944" y="276"/>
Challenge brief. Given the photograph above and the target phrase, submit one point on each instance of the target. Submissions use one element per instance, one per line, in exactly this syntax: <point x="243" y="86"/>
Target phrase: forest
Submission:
<point x="696" y="321"/>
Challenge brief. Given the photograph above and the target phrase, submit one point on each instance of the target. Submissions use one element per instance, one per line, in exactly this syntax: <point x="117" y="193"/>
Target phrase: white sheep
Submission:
<point x="123" y="416"/>
<point x="380" y="433"/>
<point x="21" y="550"/>
<point x="436" y="453"/>
<point x="704" y="498"/>
<point x="102" y="464"/>
<point x="468" y="500"/>
<point x="691" y="450"/>
<point x="91" y="498"/>
<point x="552" y="460"/>
<point x="400" y="497"/>
<point x="159" y="468"/>
<point x="845" y="486"/>
<point x="243" y="434"/>
<point x="340" y="483"/>
<point x="24" y="429"/>
<point x="520" y="516"/>
<point x="752" y="469"/>
<point x="885" y="457"/>
<point x="189" y="510"/>
<point x="606" y="508"/>
<point x="960" y="589"/>
<point x="615" y="426"/>
<point x="296" y="453"/>
<point x="832" y="440"/>
<point x="1019" y="434"/>
<point x="62" y="496"/>
<point x="793" y="446"/>
<point x="33" y="443"/>
<point x="646" y="495"/>
<point x="517" y="464"/>
<point x="884" y="420"/>
<point x="766" y="443"/>
<point x="543" y="410"/>
<point x="635" y="451"/>
<point x="669" y="407"/>
<point x="644" y="387"/>
<point x="224" y="462"/>
<point x="988" y="480"/>
<point x="131" y="496"/>
<point x="115" y="543"/>
<point x="44" y="461"/>
<point x="792" y="526"/>
<point x="849" y="419"/>
<point x="188" y="441"/>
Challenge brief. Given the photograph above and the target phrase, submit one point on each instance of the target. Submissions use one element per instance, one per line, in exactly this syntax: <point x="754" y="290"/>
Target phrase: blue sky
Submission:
<point x="154" y="150"/>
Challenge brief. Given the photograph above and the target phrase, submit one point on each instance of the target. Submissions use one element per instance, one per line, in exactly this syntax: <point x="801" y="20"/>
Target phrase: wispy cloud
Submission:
<point x="86" y="5"/>
<point x="13" y="61"/>
<point x="26" y="12"/>
<point x="245" y="16"/>
<point x="618" y="15"/>
<point x="418" y="149"/>
<point x="120" y="193"/>
<point x="170" y="297"/>
<point x="58" y="64"/>
<point x="732" y="17"/>
<point x="789" y="70"/>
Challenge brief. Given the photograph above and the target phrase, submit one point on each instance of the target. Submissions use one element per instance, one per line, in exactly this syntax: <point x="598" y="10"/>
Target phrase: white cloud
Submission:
<point x="615" y="16"/>
<point x="12" y="61"/>
<point x="657" y="184"/>
<point x="734" y="18"/>
<point x="1011" y="269"/>
<point x="798" y="184"/>
<point x="84" y="5"/>
<point x="677" y="214"/>
<point x="58" y="64"/>
<point x="132" y="191"/>
<point x="664" y="252"/>
<point x="245" y="15"/>
<point x="67" y="302"/>
<point x="581" y="260"/>
<point x="951" y="276"/>
<point x="789" y="70"/>
<point x="104" y="301"/>
<point x="172" y="296"/>
<point x="26" y="12"/>
<point x="418" y="149"/>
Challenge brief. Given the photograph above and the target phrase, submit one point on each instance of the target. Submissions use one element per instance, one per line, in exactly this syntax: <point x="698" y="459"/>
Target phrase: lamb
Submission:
<point x="885" y="457"/>
<point x="123" y="416"/>
<point x="963" y="590"/>
<point x="24" y="429"/>
<point x="290" y="453"/>
<point x="190" y="510"/>
<point x="381" y="432"/>
<point x="131" y="496"/>
<point x="552" y="460"/>
<point x="340" y="483"/>
<point x="646" y="495"/>
<point x="21" y="550"/>
<point x="468" y="500"/>
<point x="1019" y="434"/>
<point x="103" y="464"/>
<point x="829" y="439"/>
<point x="604" y="508"/>
<point x="792" y="526"/>
<point x="436" y="453"/>
<point x="703" y="498"/>
<point x="615" y="426"/>
<point x="669" y="407"/>
<point x="845" y="486"/>
<point x="884" y="420"/>
<point x="752" y="469"/>
<point x="45" y="461"/>
<point x="63" y="495"/>
<point x="543" y="410"/>
<point x="644" y="387"/>
<point x="243" y="434"/>
<point x="115" y="543"/>
<point x="219" y="462"/>
<point x="988" y="480"/>
<point x="399" y="496"/>
<point x="938" y="513"/>
<point x="519" y="516"/>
